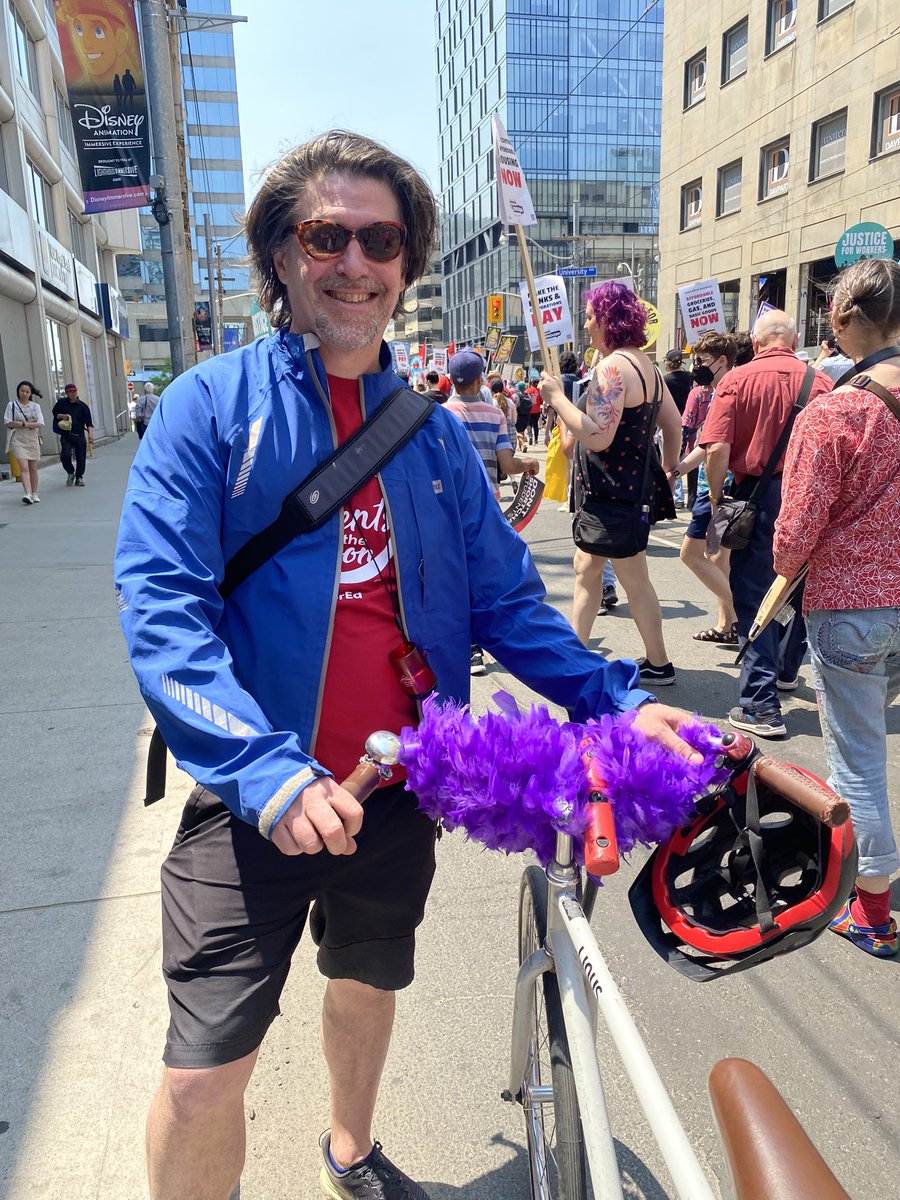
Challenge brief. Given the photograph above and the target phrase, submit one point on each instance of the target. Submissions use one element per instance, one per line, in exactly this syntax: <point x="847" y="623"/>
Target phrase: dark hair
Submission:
<point x="34" y="391"/>
<point x="433" y="378"/>
<point x="743" y="349"/>
<point x="497" y="385"/>
<point x="568" y="363"/>
<point x="278" y="206"/>
<point x="623" y="316"/>
<point x="720" y="345"/>
<point x="868" y="292"/>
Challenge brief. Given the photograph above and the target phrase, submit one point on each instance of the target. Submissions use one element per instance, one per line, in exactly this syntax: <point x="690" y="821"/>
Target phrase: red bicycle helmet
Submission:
<point x="752" y="876"/>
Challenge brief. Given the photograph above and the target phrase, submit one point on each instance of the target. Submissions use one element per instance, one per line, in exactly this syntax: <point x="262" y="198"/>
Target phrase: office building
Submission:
<point x="577" y="84"/>
<point x="61" y="318"/>
<point x="422" y="318"/>
<point x="781" y="129"/>
<point x="214" y="182"/>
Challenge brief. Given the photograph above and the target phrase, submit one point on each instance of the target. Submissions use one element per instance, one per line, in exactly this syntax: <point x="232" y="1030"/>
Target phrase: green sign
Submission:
<point x="866" y="240"/>
<point x="259" y="320"/>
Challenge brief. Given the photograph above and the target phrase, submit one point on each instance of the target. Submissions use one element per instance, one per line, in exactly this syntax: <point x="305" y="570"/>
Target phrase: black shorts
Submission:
<point x="234" y="908"/>
<point x="522" y="421"/>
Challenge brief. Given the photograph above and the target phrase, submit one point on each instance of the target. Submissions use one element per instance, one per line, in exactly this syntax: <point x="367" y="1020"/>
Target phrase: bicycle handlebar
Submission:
<point x="787" y="780"/>
<point x="374" y="768"/>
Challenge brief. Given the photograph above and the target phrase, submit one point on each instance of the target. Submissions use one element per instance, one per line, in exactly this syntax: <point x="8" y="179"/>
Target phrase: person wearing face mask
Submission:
<point x="713" y="355"/>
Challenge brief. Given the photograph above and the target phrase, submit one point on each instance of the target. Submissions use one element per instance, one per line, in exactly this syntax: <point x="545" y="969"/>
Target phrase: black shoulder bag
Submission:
<point x="326" y="489"/>
<point x="733" y="521"/>
<point x="617" y="528"/>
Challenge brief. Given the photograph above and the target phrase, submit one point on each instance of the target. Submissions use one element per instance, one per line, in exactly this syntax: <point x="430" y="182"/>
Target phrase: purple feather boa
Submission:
<point x="513" y="779"/>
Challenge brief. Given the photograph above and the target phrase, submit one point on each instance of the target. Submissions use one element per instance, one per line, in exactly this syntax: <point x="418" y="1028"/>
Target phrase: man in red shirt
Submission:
<point x="750" y="409"/>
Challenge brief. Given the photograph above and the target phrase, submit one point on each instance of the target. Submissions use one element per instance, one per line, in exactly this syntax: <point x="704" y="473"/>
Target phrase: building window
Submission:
<point x="58" y="354"/>
<point x="827" y="8"/>
<point x="781" y="28"/>
<point x="24" y="53"/>
<point x="829" y="143"/>
<point x="734" y="51"/>
<point x="76" y="233"/>
<point x="695" y="80"/>
<point x="64" y="119"/>
<point x="728" y="192"/>
<point x="775" y="169"/>
<point x="886" y="121"/>
<point x="691" y="204"/>
<point x="39" y="190"/>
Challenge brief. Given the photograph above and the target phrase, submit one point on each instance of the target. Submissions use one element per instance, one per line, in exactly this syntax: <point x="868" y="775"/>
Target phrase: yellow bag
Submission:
<point x="556" y="470"/>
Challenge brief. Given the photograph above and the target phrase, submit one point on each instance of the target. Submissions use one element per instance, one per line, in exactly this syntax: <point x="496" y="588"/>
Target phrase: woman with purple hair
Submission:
<point x="612" y="427"/>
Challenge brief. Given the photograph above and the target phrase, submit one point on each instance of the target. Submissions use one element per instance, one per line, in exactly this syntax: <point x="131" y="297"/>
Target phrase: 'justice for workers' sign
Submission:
<point x="516" y="207"/>
<point x="701" y="309"/>
<point x="554" y="306"/>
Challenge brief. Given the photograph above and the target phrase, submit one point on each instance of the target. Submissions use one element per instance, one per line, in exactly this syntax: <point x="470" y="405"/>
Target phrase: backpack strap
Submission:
<point x="867" y="384"/>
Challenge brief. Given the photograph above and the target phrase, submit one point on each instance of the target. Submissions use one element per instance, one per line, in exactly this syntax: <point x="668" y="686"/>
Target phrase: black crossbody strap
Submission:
<point x="869" y="361"/>
<point x="781" y="444"/>
<point x="333" y="482"/>
<point x="650" y="432"/>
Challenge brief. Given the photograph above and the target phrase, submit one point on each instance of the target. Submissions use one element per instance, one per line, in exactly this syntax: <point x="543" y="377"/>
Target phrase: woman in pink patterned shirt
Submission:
<point x="840" y="513"/>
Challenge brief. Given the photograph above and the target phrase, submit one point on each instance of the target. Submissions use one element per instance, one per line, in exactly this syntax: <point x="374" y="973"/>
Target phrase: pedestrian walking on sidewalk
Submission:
<point x="839" y="514"/>
<point x="24" y="420"/>
<point x="144" y="409"/>
<point x="72" y="421"/>
<point x="259" y="692"/>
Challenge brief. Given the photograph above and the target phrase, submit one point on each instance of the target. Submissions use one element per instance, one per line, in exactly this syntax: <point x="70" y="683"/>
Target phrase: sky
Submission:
<point x="305" y="66"/>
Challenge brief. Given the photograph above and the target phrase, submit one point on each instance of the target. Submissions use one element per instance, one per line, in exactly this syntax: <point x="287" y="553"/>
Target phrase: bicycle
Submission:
<point x="563" y="984"/>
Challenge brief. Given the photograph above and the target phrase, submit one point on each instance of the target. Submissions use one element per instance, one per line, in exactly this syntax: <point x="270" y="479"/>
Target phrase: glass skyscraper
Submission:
<point x="215" y="185"/>
<point x="577" y="84"/>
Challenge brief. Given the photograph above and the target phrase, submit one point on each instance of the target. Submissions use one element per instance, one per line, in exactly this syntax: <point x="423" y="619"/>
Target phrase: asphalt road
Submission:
<point x="82" y="1007"/>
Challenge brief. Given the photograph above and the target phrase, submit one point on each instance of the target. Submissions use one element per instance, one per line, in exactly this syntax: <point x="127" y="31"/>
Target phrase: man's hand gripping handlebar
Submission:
<point x="327" y="815"/>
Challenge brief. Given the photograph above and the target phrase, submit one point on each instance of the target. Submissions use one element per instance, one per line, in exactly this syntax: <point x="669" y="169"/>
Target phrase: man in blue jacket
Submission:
<point x="266" y="698"/>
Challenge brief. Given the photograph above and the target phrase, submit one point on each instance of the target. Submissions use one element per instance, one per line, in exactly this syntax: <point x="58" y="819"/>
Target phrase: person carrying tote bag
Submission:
<point x="617" y="473"/>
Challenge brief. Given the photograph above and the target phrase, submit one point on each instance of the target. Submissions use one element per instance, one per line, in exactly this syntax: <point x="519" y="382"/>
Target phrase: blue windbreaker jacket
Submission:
<point x="236" y="686"/>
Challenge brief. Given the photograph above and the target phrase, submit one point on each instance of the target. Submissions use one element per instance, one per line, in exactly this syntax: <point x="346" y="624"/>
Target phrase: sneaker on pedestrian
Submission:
<point x="373" y="1178"/>
<point x="70" y="479"/>
<point x="881" y="941"/>
<point x="35" y="498"/>
<point x="79" y="482"/>
<point x="661" y="676"/>
<point x="476" y="665"/>
<point x="26" y="499"/>
<point x="788" y="685"/>
<point x="610" y="597"/>
<point x="764" y="724"/>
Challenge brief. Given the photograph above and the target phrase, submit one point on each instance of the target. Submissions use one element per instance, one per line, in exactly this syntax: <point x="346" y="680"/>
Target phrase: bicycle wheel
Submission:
<point x="547" y="1093"/>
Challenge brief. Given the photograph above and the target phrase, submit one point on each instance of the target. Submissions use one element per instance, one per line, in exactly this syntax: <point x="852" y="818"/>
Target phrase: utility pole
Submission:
<point x="183" y="262"/>
<point x="210" y="288"/>
<point x="170" y="216"/>
<point x="220" y="296"/>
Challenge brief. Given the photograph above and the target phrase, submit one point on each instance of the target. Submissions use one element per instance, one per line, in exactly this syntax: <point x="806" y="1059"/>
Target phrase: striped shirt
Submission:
<point x="486" y="426"/>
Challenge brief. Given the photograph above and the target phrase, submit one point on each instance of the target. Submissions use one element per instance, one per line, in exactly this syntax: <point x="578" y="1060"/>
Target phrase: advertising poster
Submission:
<point x="202" y="327"/>
<point x="105" y="81"/>
<point x="555" y="316"/>
<point x="701" y="309"/>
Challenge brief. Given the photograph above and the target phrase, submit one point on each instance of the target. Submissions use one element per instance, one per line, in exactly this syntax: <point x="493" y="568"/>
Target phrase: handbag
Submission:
<point x="617" y="528"/>
<point x="733" y="521"/>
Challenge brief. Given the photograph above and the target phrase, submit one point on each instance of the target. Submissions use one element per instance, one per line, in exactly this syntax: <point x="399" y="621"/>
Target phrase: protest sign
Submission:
<point x="526" y="502"/>
<point x="504" y="350"/>
<point x="492" y="340"/>
<point x="516" y="207"/>
<point x="701" y="308"/>
<point x="651" y="330"/>
<point x="439" y="360"/>
<point x="401" y="356"/>
<point x="555" y="315"/>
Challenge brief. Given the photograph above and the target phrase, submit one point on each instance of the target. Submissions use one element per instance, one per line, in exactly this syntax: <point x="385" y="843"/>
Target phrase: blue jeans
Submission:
<point x="856" y="671"/>
<point x="778" y="651"/>
<point x="609" y="576"/>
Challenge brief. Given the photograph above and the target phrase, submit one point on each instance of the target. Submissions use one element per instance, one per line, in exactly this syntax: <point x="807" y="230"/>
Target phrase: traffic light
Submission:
<point x="495" y="310"/>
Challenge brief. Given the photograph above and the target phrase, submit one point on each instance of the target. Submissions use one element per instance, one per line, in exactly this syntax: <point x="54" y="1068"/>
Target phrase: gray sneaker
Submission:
<point x="374" y="1178"/>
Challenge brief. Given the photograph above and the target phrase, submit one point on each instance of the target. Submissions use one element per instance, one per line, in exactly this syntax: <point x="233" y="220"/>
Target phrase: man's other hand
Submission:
<point x="661" y="723"/>
<point x="322" y="817"/>
<point x="530" y="466"/>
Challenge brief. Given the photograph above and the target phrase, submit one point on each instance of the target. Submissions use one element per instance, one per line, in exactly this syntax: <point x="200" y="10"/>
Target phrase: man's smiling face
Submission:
<point x="348" y="301"/>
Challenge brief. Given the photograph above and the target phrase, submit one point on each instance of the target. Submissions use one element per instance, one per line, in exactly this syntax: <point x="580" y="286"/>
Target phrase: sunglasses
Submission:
<point x="381" y="241"/>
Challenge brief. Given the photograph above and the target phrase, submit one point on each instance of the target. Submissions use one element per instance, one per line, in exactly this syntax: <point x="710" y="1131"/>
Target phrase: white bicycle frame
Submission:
<point x="585" y="984"/>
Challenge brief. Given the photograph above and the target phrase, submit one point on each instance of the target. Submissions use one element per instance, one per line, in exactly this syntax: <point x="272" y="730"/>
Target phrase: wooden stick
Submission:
<point x="532" y="295"/>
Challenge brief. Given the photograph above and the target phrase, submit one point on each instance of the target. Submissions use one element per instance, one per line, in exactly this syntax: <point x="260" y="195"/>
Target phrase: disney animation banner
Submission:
<point x="105" y="80"/>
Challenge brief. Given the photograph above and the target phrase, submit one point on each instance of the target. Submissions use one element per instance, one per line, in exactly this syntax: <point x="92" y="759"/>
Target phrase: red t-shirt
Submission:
<point x="362" y="692"/>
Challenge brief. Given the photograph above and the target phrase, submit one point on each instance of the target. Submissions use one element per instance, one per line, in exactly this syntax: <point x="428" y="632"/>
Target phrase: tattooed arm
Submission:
<point x="596" y="427"/>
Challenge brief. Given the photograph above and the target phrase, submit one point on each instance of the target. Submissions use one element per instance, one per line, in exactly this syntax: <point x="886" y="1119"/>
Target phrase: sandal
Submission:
<point x="720" y="637"/>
